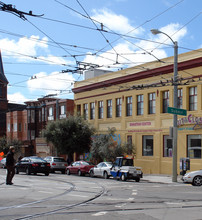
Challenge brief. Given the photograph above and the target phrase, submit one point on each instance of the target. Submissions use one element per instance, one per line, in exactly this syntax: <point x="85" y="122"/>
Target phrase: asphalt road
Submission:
<point x="80" y="198"/>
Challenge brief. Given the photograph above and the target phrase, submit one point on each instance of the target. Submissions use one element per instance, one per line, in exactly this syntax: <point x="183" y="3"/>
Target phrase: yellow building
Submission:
<point x="135" y="101"/>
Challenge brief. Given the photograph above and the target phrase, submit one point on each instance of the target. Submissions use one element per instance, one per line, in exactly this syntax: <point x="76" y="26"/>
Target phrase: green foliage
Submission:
<point x="104" y="148"/>
<point x="6" y="143"/>
<point x="69" y="135"/>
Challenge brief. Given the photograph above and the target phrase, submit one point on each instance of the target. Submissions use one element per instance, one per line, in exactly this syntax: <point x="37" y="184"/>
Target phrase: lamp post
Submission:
<point x="175" y="95"/>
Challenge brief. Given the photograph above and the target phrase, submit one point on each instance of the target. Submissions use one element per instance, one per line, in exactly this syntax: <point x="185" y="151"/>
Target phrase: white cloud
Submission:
<point x="17" y="98"/>
<point x="30" y="47"/>
<point x="52" y="83"/>
<point x="117" y="23"/>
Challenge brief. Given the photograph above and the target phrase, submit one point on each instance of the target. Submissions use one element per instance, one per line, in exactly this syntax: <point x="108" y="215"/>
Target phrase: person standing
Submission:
<point x="10" y="165"/>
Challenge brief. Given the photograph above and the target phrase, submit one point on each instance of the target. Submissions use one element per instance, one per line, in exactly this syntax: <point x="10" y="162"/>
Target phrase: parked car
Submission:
<point x="79" y="167"/>
<point x="3" y="163"/>
<point x="102" y="169"/>
<point x="194" y="177"/>
<point x="124" y="169"/>
<point x="56" y="164"/>
<point x="31" y="165"/>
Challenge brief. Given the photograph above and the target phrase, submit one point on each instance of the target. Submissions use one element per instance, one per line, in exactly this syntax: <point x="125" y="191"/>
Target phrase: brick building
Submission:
<point x="27" y="125"/>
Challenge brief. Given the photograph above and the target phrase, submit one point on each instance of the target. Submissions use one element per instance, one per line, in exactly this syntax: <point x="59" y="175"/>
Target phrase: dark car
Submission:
<point x="56" y="164"/>
<point x="33" y="165"/>
<point x="79" y="167"/>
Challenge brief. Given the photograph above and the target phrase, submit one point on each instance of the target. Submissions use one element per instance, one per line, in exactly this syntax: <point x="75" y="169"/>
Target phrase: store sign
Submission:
<point x="190" y="119"/>
<point x="140" y="124"/>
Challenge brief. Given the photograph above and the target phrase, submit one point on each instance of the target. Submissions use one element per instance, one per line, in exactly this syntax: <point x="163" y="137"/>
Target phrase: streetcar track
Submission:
<point x="37" y="215"/>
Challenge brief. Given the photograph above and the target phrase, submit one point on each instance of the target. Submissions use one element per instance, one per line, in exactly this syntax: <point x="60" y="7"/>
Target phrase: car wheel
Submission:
<point x="197" y="181"/>
<point x="47" y="174"/>
<point x="123" y="177"/>
<point x="28" y="171"/>
<point x="16" y="171"/>
<point x="79" y="173"/>
<point x="106" y="176"/>
<point x="137" y="179"/>
<point x="68" y="172"/>
<point x="91" y="174"/>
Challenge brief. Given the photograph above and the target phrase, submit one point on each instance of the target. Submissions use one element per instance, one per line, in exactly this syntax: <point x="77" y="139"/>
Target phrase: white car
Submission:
<point x="195" y="178"/>
<point x="102" y="169"/>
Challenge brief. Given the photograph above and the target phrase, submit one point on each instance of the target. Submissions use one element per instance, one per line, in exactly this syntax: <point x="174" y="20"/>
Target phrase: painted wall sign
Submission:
<point x="190" y="119"/>
<point x="140" y="124"/>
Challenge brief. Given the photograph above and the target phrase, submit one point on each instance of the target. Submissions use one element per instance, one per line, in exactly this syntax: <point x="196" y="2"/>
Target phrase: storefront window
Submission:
<point x="194" y="146"/>
<point x="193" y="99"/>
<point x="165" y="101"/>
<point x="167" y="146"/>
<point x="140" y="104"/>
<point x="78" y="109"/>
<point x="129" y="139"/>
<point x="118" y="107"/>
<point x="147" y="148"/>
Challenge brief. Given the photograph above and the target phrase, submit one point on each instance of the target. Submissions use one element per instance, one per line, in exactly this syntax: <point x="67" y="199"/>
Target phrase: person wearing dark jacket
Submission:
<point x="10" y="165"/>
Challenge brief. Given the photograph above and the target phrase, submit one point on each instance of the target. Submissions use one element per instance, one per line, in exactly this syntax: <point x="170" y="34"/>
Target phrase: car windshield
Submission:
<point x="109" y="163"/>
<point x="37" y="159"/>
<point x="85" y="163"/>
<point x="58" y="159"/>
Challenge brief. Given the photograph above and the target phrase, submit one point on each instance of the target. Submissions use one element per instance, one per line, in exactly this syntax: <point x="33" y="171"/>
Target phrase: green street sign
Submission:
<point x="177" y="111"/>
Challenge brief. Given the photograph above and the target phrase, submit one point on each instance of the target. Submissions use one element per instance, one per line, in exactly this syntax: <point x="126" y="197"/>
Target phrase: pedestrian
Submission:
<point x="10" y="165"/>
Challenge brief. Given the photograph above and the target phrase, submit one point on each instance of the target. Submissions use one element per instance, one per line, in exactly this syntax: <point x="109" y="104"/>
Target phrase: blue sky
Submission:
<point x="36" y="51"/>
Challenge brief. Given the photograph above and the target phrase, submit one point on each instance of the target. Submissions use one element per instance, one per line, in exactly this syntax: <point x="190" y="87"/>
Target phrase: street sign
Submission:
<point x="177" y="111"/>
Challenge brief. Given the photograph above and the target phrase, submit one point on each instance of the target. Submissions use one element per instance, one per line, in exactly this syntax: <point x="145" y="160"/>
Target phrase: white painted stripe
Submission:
<point x="99" y="214"/>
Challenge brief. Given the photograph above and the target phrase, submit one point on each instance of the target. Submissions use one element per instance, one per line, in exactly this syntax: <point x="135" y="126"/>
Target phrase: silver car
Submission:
<point x="194" y="177"/>
<point x="56" y="164"/>
<point x="102" y="169"/>
<point x="3" y="163"/>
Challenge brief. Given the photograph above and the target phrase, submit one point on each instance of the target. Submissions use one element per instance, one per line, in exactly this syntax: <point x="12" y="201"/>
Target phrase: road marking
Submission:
<point x="99" y="213"/>
<point x="134" y="193"/>
<point x="77" y="195"/>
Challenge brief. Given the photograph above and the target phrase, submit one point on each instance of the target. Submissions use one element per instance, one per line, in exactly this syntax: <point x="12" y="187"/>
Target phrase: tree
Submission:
<point x="105" y="148"/>
<point x="6" y="143"/>
<point x="70" y="135"/>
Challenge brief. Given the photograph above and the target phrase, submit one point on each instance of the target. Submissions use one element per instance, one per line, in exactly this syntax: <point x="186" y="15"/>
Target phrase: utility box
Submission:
<point x="184" y="165"/>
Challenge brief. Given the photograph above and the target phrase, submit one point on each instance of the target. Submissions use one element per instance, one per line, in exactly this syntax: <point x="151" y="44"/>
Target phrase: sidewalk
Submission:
<point x="160" y="178"/>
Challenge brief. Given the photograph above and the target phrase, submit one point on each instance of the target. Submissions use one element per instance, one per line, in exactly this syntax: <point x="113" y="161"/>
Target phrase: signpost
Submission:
<point x="177" y="111"/>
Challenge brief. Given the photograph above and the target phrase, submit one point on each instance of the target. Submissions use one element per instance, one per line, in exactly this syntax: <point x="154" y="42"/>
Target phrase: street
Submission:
<point x="59" y="196"/>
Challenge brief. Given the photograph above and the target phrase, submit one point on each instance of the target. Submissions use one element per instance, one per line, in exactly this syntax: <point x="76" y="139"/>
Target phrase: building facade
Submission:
<point x="135" y="101"/>
<point x="28" y="124"/>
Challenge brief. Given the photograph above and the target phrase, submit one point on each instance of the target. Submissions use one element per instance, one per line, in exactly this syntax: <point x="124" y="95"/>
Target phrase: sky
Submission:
<point x="42" y="55"/>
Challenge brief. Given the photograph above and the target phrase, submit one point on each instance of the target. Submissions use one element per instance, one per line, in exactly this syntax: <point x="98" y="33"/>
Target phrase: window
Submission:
<point x="92" y="110"/>
<point x="129" y="139"/>
<point x="165" y="101"/>
<point x="194" y="146"/>
<point x="8" y="127"/>
<point x="167" y="146"/>
<point x="140" y="105"/>
<point x="78" y="109"/>
<point x="32" y="116"/>
<point x="179" y="98"/>
<point x="62" y="109"/>
<point x="43" y="114"/>
<point x="50" y="114"/>
<point x="193" y="99"/>
<point x="109" y="108"/>
<point x="15" y="127"/>
<point x="129" y="108"/>
<point x="147" y="148"/>
<point x="100" y="109"/>
<point x="39" y="115"/>
<point x="20" y="127"/>
<point x="85" y="111"/>
<point x="152" y="103"/>
<point x="25" y="126"/>
<point x="29" y="116"/>
<point x="118" y="107"/>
